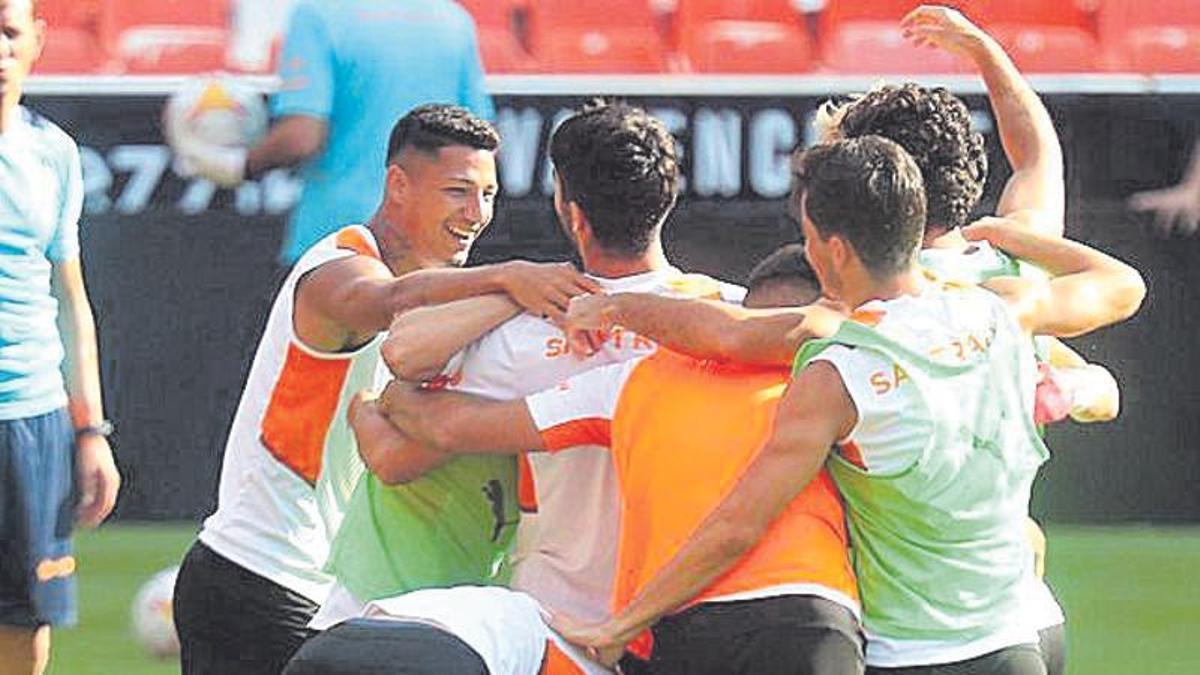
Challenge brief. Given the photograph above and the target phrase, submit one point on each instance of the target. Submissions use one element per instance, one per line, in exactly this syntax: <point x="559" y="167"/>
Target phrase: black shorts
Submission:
<point x="1052" y="642"/>
<point x="37" y="514"/>
<point x="1016" y="660"/>
<point x="790" y="634"/>
<point x="231" y="621"/>
<point x="386" y="647"/>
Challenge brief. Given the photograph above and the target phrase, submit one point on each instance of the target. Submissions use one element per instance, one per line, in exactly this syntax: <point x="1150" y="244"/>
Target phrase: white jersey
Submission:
<point x="507" y="629"/>
<point x="290" y="461"/>
<point x="568" y="568"/>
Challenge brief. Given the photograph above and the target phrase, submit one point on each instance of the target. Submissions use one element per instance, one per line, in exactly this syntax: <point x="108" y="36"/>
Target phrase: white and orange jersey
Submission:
<point x="290" y="461"/>
<point x="507" y="629"/>
<point x="567" y="566"/>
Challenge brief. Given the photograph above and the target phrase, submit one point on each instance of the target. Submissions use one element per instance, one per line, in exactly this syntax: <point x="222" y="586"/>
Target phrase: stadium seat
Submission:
<point x="72" y="51"/>
<point x="168" y="36"/>
<point x="1152" y="37"/>
<point x="499" y="46"/>
<point x="1041" y="35"/>
<point x="742" y="36"/>
<point x="863" y="37"/>
<point x="617" y="36"/>
<point x="73" y="40"/>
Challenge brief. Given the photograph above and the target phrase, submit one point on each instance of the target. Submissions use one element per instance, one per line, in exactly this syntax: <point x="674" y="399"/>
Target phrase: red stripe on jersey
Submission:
<point x="354" y="240"/>
<point x="585" y="431"/>
<point x="302" y="406"/>
<point x="556" y="662"/>
<point x="853" y="454"/>
<point x="526" y="490"/>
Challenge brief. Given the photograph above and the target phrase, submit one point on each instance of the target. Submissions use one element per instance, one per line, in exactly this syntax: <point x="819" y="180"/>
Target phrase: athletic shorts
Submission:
<point x="231" y="621"/>
<point x="1017" y="660"/>
<point x="792" y="634"/>
<point x="1052" y="641"/>
<point x="386" y="647"/>
<point x="37" y="514"/>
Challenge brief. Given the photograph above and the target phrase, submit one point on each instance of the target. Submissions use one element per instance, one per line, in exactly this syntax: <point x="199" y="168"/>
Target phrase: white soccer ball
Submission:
<point x="215" y="110"/>
<point x="153" y="621"/>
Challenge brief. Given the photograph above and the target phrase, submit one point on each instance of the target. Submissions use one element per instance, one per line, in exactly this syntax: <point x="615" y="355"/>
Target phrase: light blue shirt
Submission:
<point x="41" y="193"/>
<point x="361" y="65"/>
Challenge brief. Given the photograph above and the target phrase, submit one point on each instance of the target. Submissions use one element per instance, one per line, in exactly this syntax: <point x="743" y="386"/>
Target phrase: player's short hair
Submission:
<point x="618" y="164"/>
<point x="786" y="264"/>
<point x="869" y="191"/>
<point x="431" y="127"/>
<point x="934" y="127"/>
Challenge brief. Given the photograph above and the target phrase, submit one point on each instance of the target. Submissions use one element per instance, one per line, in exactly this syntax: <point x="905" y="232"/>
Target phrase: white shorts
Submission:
<point x="508" y="629"/>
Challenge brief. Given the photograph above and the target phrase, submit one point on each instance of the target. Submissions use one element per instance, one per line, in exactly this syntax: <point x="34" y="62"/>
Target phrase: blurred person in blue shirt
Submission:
<point x="56" y="466"/>
<point x="349" y="70"/>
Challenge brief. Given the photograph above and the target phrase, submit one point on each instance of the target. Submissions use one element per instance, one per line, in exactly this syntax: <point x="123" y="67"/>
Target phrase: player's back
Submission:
<point x="362" y="64"/>
<point x="937" y="470"/>
<point x="402" y="538"/>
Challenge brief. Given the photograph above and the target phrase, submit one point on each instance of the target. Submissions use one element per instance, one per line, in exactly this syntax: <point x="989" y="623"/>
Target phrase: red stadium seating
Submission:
<point x="617" y="36"/>
<point x="73" y="40"/>
<point x="499" y="46"/>
<point x="863" y="36"/>
<point x="1041" y="35"/>
<point x="1162" y="36"/>
<point x="165" y="36"/>
<point x="742" y="36"/>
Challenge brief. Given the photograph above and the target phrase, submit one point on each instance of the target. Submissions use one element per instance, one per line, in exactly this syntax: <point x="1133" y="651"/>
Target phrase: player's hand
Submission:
<point x="589" y="322"/>
<point x="97" y="479"/>
<point x="222" y="165"/>
<point x="944" y="28"/>
<point x="1175" y="210"/>
<point x="544" y="289"/>
<point x="992" y="229"/>
<point x="596" y="640"/>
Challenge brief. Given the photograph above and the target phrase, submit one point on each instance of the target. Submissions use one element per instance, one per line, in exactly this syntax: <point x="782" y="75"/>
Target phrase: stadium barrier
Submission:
<point x="181" y="273"/>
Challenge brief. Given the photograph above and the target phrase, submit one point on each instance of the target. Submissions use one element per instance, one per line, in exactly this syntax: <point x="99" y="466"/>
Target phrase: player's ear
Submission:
<point x="581" y="229"/>
<point x="397" y="183"/>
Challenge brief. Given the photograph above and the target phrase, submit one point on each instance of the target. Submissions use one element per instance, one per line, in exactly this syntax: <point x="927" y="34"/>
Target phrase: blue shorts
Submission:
<point x="37" y="513"/>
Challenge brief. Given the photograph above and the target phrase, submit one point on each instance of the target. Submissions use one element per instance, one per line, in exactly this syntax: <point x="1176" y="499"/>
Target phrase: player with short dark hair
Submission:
<point x="920" y="407"/>
<point x="251" y="582"/>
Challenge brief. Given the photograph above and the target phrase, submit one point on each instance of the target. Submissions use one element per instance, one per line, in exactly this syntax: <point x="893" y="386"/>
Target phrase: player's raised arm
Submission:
<point x="1035" y="195"/>
<point x="706" y="329"/>
<point x="814" y="413"/>
<point x="1089" y="289"/>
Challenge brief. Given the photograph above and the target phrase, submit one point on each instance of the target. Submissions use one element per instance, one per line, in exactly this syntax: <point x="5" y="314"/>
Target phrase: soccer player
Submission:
<point x="921" y="408"/>
<point x="252" y="581"/>
<point x="615" y="184"/>
<point x="681" y="430"/>
<point x="55" y="460"/>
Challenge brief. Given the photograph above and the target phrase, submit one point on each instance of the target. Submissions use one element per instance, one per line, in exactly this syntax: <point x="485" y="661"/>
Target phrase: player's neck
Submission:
<point x="600" y="263"/>
<point x="394" y="249"/>
<point x="865" y="288"/>
<point x="942" y="238"/>
<point x="9" y="113"/>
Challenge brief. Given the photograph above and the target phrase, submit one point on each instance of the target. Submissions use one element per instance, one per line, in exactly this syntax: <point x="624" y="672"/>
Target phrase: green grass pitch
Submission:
<point x="1132" y="601"/>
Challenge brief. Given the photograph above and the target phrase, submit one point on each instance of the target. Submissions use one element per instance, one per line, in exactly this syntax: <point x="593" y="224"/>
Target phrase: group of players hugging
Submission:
<point x="526" y="468"/>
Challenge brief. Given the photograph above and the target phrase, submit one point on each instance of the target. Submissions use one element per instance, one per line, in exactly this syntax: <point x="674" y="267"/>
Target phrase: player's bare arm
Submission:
<point x="705" y="329"/>
<point x="1089" y="289"/>
<point x="387" y="453"/>
<point x="292" y="139"/>
<point x="814" y="413"/>
<point x="96" y="473"/>
<point x="1035" y="195"/>
<point x="456" y="423"/>
<point x="344" y="303"/>
<point x="421" y="341"/>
